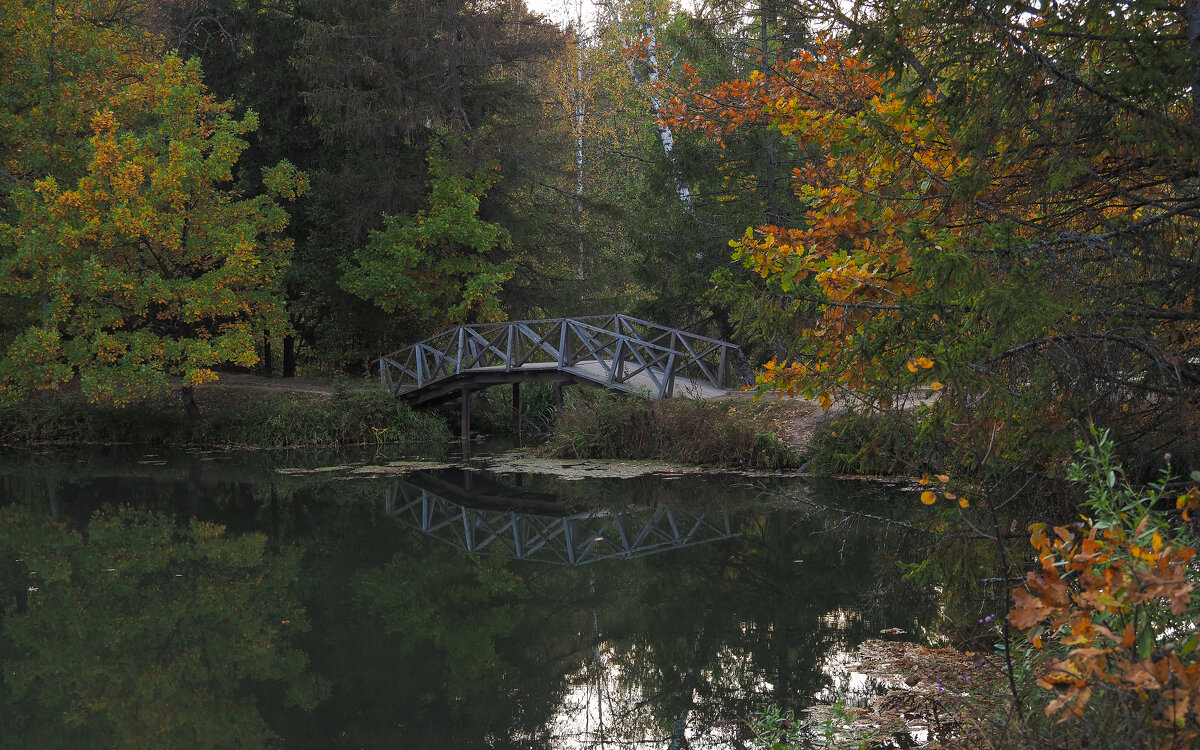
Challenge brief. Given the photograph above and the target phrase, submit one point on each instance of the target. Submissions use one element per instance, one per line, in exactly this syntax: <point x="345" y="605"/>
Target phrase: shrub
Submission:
<point x="1109" y="619"/>
<point x="71" y="419"/>
<point x="349" y="416"/>
<point x="605" y="425"/>
<point x="878" y="443"/>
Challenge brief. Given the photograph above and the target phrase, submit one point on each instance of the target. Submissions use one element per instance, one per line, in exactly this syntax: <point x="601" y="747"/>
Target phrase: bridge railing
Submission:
<point x="556" y="538"/>
<point x="613" y="350"/>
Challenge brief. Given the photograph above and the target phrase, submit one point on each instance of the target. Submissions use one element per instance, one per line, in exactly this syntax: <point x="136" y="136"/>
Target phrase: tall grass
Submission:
<point x="71" y="419"/>
<point x="604" y="425"/>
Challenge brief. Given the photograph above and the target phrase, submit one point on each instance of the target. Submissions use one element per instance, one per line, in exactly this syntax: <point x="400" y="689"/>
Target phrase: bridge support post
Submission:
<point x="465" y="424"/>
<point x="558" y="397"/>
<point x="516" y="413"/>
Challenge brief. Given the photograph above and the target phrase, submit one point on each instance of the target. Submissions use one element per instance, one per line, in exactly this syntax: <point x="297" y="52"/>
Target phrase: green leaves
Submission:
<point x="437" y="267"/>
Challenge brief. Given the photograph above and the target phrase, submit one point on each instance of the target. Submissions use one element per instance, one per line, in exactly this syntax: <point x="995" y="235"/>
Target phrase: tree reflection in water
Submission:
<point x="198" y="638"/>
<point x="140" y="632"/>
<point x="686" y="644"/>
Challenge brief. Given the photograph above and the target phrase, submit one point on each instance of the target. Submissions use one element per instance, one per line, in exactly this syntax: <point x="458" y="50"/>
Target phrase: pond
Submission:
<point x="254" y="599"/>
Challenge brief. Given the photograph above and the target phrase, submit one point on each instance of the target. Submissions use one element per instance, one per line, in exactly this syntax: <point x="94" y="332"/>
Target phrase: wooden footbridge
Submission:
<point x="611" y="351"/>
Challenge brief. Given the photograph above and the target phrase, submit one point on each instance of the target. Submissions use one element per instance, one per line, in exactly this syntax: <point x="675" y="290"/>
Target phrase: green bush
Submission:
<point x="605" y="425"/>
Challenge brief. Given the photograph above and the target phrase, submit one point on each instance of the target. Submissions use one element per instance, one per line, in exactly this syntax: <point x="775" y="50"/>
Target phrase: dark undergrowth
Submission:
<point x="492" y="409"/>
<point x="347" y="417"/>
<point x="869" y="443"/>
<point x="605" y="425"/>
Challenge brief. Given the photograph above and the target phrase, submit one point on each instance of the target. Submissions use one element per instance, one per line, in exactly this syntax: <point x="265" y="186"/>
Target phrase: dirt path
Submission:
<point x="793" y="420"/>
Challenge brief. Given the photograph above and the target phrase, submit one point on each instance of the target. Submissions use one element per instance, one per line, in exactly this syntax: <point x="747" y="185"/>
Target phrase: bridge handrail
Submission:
<point x="575" y="319"/>
<point x="659" y="326"/>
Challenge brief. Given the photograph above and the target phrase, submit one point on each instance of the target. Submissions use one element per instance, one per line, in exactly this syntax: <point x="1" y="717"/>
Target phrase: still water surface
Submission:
<point x="209" y="600"/>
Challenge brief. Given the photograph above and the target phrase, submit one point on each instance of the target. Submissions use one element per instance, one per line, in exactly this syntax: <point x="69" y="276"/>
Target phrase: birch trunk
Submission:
<point x="579" y="115"/>
<point x="648" y="85"/>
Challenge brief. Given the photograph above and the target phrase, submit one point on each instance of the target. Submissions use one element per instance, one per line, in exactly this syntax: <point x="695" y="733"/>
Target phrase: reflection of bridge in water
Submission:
<point x="542" y="530"/>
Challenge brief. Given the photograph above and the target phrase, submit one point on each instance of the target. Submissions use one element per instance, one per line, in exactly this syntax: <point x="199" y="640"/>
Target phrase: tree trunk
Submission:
<point x="648" y="85"/>
<point x="769" y="156"/>
<point x="1193" y="33"/>
<point x="579" y="122"/>
<point x="289" y="356"/>
<point x="450" y="27"/>
<point x="741" y="365"/>
<point x="189" y="406"/>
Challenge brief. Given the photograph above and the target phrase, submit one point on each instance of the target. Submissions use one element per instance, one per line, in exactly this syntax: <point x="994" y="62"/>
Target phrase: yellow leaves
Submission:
<point x="930" y="497"/>
<point x="106" y="245"/>
<point x="919" y="363"/>
<point x="104" y="122"/>
<point x="935" y="386"/>
<point x="47" y="187"/>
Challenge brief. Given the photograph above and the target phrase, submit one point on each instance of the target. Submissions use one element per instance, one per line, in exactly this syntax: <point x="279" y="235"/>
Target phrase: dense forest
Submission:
<point x="986" y="207"/>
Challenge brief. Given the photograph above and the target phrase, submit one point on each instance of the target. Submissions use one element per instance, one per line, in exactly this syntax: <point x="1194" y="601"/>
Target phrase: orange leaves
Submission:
<point x="874" y="193"/>
<point x="1188" y="502"/>
<point x="1095" y="600"/>
<point x="929" y="497"/>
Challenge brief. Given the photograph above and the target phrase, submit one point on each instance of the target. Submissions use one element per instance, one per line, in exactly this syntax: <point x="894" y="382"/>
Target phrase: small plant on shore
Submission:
<point x="1109" y="616"/>
<point x="776" y="729"/>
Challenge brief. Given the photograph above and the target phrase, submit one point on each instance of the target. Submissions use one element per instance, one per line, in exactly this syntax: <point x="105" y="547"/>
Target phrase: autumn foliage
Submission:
<point x="853" y="255"/>
<point x="1110" y="604"/>
<point x="136" y="258"/>
<point x="969" y="196"/>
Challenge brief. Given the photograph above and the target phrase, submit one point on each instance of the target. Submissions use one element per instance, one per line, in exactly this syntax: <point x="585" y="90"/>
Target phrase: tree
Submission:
<point x="383" y="82"/>
<point x="144" y="264"/>
<point x="434" y="269"/>
<point x="143" y="633"/>
<point x="1012" y="225"/>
